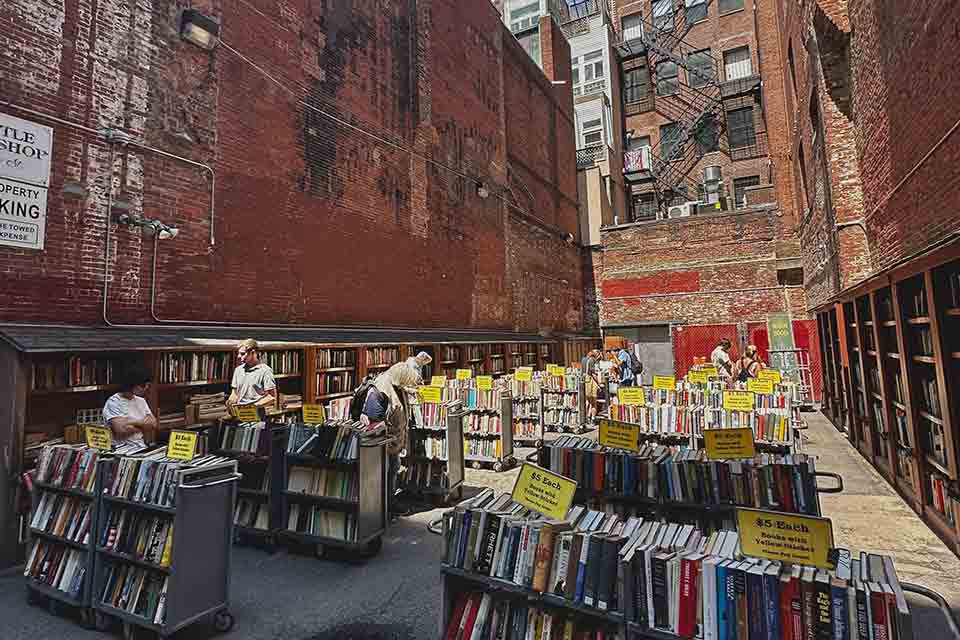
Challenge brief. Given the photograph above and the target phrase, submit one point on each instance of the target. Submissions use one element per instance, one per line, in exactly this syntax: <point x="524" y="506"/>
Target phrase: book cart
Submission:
<point x="360" y="518"/>
<point x="256" y="447"/>
<point x="564" y="410"/>
<point x="434" y="470"/>
<point x="196" y="580"/>
<point x="486" y="445"/>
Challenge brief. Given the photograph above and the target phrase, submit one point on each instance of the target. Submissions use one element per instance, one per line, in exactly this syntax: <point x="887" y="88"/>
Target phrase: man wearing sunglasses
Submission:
<point x="253" y="382"/>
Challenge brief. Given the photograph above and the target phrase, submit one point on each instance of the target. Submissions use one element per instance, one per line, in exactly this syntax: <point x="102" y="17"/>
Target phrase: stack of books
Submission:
<point x="336" y="441"/>
<point x="320" y="481"/>
<point x="172" y="420"/>
<point x="339" y="409"/>
<point x="68" y="467"/>
<point x="57" y="566"/>
<point x="246" y="437"/>
<point x="206" y="407"/>
<point x="150" y="477"/>
<point x="291" y="401"/>
<point x="64" y="516"/>
<point x="482" y="616"/>
<point x="140" y="535"/>
<point x="138" y="591"/>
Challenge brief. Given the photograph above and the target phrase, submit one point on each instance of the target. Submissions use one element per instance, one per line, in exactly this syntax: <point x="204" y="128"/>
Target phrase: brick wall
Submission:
<point x="339" y="135"/>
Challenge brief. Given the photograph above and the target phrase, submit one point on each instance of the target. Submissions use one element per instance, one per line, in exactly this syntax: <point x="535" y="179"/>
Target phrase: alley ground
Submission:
<point x="395" y="596"/>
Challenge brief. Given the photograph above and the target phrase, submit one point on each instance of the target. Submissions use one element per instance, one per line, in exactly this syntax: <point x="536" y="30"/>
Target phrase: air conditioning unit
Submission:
<point x="684" y="210"/>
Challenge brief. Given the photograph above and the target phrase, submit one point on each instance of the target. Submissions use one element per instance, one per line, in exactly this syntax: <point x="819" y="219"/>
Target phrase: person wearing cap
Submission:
<point x="253" y="381"/>
<point x="418" y="362"/>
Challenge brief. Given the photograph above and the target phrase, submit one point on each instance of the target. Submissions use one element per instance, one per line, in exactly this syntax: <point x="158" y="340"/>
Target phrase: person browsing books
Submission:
<point x="749" y="365"/>
<point x="720" y="358"/>
<point x="418" y="362"/>
<point x="126" y="413"/>
<point x="253" y="381"/>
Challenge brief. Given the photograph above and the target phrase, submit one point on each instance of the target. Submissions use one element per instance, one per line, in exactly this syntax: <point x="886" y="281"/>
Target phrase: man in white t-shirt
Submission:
<point x="253" y="382"/>
<point x="720" y="358"/>
<point x="126" y="413"/>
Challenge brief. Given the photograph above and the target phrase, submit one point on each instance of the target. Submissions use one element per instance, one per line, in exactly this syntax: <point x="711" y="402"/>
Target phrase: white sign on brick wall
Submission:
<point x="25" y="151"/>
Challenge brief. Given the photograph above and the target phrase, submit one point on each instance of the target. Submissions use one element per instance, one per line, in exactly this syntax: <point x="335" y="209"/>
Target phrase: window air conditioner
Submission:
<point x="684" y="210"/>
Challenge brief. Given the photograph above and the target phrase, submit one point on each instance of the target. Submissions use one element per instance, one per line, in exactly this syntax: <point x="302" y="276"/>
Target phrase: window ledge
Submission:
<point x="730" y="13"/>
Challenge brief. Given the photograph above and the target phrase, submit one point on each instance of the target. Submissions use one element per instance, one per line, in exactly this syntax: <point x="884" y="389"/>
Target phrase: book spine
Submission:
<point x="660" y="596"/>
<point x="839" y="614"/>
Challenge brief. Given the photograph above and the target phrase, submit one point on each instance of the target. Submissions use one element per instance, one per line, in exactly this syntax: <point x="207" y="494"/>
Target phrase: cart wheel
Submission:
<point x="475" y="465"/>
<point x="538" y="444"/>
<point x="498" y="466"/>
<point x="101" y="621"/>
<point x="319" y="550"/>
<point x="86" y="618"/>
<point x="223" y="621"/>
<point x="374" y="546"/>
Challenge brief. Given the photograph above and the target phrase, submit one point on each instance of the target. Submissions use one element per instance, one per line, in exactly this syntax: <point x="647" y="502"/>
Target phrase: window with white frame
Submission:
<point x="700" y="69"/>
<point x="632" y="27"/>
<point x="526" y="17"/>
<point x="592" y="66"/>
<point x="591" y="132"/>
<point x="696" y="10"/>
<point x="663" y="14"/>
<point x="737" y="63"/>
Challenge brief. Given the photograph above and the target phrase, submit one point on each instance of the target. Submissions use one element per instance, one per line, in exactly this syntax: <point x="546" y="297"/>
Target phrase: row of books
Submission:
<point x="138" y="591"/>
<point x="150" y="477"/>
<point x="482" y="424"/>
<point x="664" y="418"/>
<point x="477" y="448"/>
<point x="379" y="356"/>
<point x="247" y="437"/>
<point x="178" y="367"/>
<point x="140" y="535"/>
<point x="427" y="445"/>
<point x="449" y="354"/>
<point x="526" y="430"/>
<point x="474" y="352"/>
<point x="560" y="401"/>
<point x="282" y="362"/>
<point x="335" y="441"/>
<point x="424" y="474"/>
<point x="171" y="420"/>
<point x="566" y="418"/>
<point x="339" y="409"/>
<point x="68" y="517"/>
<point x="924" y="340"/>
<point x="481" y="615"/>
<point x="476" y="399"/>
<point x="570" y="381"/>
<point x="941" y="498"/>
<point x="669" y="474"/>
<point x="429" y="415"/>
<point x="74" y="371"/>
<point x="317" y="521"/>
<point x="57" y="566"/>
<point x="206" y="407"/>
<point x="335" y="382"/>
<point x="526" y="408"/>
<point x="251" y="513"/>
<point x="929" y="397"/>
<point x="330" y="483"/>
<point x="934" y="440"/>
<point x="68" y="467"/>
<point x="331" y="358"/>
<point x="773" y="427"/>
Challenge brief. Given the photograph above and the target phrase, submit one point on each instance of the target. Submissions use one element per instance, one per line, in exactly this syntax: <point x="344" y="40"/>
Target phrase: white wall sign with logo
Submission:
<point x="23" y="214"/>
<point x="25" y="151"/>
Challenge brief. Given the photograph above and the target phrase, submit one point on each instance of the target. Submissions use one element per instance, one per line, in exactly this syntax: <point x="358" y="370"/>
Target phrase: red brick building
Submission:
<point x="872" y="98"/>
<point x="347" y="163"/>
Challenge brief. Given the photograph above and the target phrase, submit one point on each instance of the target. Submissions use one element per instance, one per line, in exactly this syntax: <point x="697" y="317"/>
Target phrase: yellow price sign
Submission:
<point x="438" y="381"/>
<point x="98" y="437"/>
<point x="760" y="386"/>
<point x="464" y="374"/>
<point x="710" y="370"/>
<point x="430" y="395"/>
<point x="729" y="444"/>
<point x="770" y="374"/>
<point x="619" y="435"/>
<point x="543" y="491"/>
<point x="785" y="537"/>
<point x="739" y="400"/>
<point x="248" y="413"/>
<point x="697" y="377"/>
<point x="556" y="370"/>
<point x="182" y="445"/>
<point x="631" y="395"/>
<point x="665" y="383"/>
<point x="314" y="414"/>
<point x="484" y="383"/>
<point x="524" y="374"/>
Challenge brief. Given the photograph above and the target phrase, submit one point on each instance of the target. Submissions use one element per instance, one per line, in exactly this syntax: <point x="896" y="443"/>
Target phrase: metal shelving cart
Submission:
<point x="198" y="577"/>
<point x="505" y="459"/>
<point x="526" y="411"/>
<point x="579" y="411"/>
<point x="452" y="465"/>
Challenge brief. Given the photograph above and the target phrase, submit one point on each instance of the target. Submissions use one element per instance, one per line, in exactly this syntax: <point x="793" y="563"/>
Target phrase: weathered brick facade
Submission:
<point x="347" y="140"/>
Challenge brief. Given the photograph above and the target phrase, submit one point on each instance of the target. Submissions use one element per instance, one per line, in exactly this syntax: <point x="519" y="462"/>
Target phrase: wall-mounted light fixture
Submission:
<point x="482" y="191"/>
<point x="150" y="226"/>
<point x="199" y="29"/>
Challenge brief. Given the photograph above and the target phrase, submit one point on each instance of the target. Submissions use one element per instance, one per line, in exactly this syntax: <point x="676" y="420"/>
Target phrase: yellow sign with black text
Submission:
<point x="710" y="370"/>
<point x="760" y="386"/>
<point x="524" y="374"/>
<point x="182" y="445"/>
<point x="665" y="383"/>
<point x="773" y="375"/>
<point x="464" y="374"/>
<point x="484" y="383"/>
<point x="739" y="400"/>
<point x="98" y="437"/>
<point x="248" y="413"/>
<point x="314" y="414"/>
<point x="631" y="395"/>
<point x="729" y="444"/>
<point x="697" y="377"/>
<point x="619" y="435"/>
<point x="556" y="370"/>
<point x="431" y="395"/>
<point x="438" y="381"/>
<point x="785" y="537"/>
<point x="543" y="491"/>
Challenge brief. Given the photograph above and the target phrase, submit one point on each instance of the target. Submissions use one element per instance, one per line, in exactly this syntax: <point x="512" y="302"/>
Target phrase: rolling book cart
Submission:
<point x="488" y="435"/>
<point x="564" y="411"/>
<point x="257" y="448"/>
<point x="192" y="580"/>
<point x="342" y="461"/>
<point x="528" y="426"/>
<point x="429" y="475"/>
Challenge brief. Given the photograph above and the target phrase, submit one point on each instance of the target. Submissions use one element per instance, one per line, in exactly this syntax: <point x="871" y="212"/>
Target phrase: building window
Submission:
<point x="740" y="128"/>
<point x="576" y="75"/>
<point x="636" y="84"/>
<point x="592" y="132"/>
<point x="530" y="42"/>
<point x="700" y="69"/>
<point x="637" y="143"/>
<point x="526" y="17"/>
<point x="792" y="276"/>
<point x="707" y="137"/>
<point x="696" y="10"/>
<point x="726" y="6"/>
<point x="669" y="139"/>
<point x="644" y="207"/>
<point x="737" y="63"/>
<point x="663" y="15"/>
<point x="740" y="189"/>
<point x="632" y="27"/>
<point x="593" y="66"/>
<point x="667" y="84"/>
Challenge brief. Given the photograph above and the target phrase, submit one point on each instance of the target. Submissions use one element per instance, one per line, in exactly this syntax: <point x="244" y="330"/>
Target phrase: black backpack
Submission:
<point x="635" y="365"/>
<point x="360" y="397"/>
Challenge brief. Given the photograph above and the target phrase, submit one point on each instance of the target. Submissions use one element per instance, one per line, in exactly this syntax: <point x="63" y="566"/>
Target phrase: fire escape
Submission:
<point x="692" y="99"/>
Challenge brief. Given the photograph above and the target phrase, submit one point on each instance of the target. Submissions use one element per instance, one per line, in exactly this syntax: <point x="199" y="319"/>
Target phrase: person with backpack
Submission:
<point x="749" y="365"/>
<point x="630" y="366"/>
